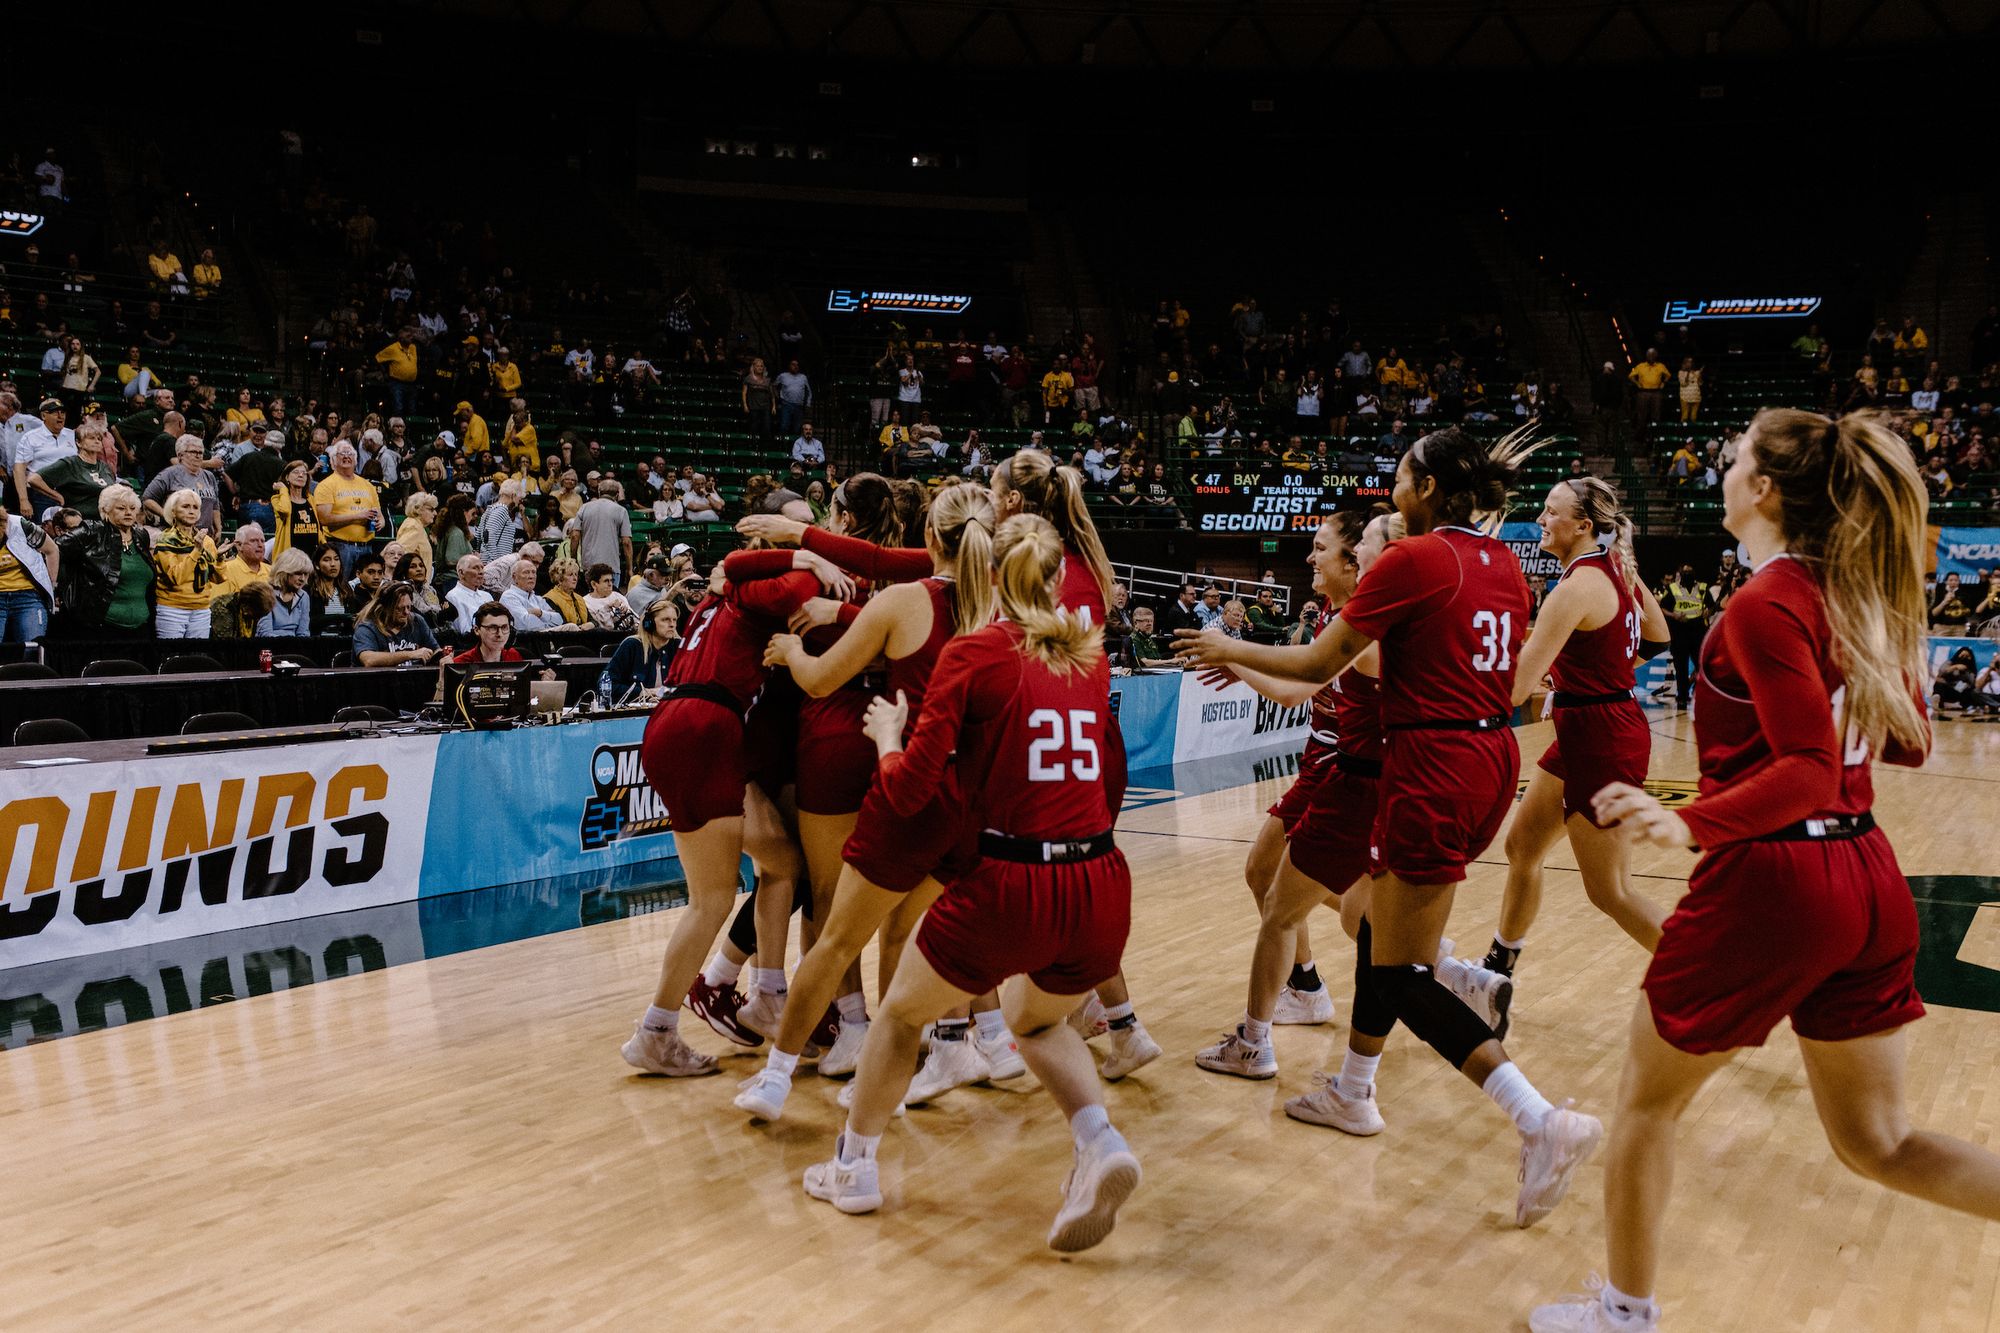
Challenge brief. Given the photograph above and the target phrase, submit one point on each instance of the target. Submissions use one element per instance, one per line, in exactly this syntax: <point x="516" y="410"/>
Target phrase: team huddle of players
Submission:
<point x="908" y="712"/>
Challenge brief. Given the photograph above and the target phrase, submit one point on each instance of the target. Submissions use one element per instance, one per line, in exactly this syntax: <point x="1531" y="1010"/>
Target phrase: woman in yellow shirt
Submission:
<point x="187" y="566"/>
<point x="414" y="533"/>
<point x="297" y="523"/>
<point x="523" y="445"/>
<point x="245" y="411"/>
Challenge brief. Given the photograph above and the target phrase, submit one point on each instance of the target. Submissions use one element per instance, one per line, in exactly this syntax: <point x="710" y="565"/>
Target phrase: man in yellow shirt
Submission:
<point x="349" y="510"/>
<point x="1057" y="386"/>
<point x="506" y="375"/>
<point x="248" y="565"/>
<point x="401" y="358"/>
<point x="166" y="267"/>
<point x="473" y="436"/>
<point x="1651" y="378"/>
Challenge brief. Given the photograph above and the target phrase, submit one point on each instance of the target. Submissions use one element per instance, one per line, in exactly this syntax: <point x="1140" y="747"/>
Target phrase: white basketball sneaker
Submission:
<point x="1307" y="1007"/>
<point x="1485" y="992"/>
<point x="1587" y="1313"/>
<point x="950" y="1064"/>
<point x="852" y="1187"/>
<point x="1104" y="1176"/>
<point x="1131" y="1048"/>
<point x="1550" y="1156"/>
<point x="1088" y="1018"/>
<point x="844" y="1056"/>
<point x="846" y="1097"/>
<point x="763" y="1095"/>
<point x="666" y="1054"/>
<point x="1327" y="1105"/>
<point x="763" y="1012"/>
<point x="1003" y="1056"/>
<point x="1236" y="1054"/>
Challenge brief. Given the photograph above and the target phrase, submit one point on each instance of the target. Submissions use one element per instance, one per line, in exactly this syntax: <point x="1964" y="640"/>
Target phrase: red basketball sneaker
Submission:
<point x="717" y="1006"/>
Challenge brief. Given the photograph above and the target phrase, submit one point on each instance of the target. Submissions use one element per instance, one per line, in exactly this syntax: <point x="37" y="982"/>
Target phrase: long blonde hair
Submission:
<point x="1597" y="504"/>
<point x="1056" y="494"/>
<point x="1853" y="507"/>
<point x="1028" y="553"/>
<point x="961" y="518"/>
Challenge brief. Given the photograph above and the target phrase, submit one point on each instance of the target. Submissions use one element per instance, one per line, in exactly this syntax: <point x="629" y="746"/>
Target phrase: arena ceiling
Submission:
<point x="1253" y="35"/>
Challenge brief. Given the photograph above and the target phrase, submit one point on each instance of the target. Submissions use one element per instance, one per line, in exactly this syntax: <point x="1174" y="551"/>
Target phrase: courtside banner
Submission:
<point x="540" y="802"/>
<point x="121" y="855"/>
<point x="1967" y="551"/>
<point x="1231" y="720"/>
<point x="1525" y="541"/>
<point x="1146" y="706"/>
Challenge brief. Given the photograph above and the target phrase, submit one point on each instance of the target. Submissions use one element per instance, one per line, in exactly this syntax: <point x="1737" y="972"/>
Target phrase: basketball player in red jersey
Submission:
<point x="1024" y="705"/>
<point x="1031" y="483"/>
<point x="895" y="865"/>
<point x="1817" y="666"/>
<point x="716" y="812"/>
<point x="1449" y="607"/>
<point x="1596" y="621"/>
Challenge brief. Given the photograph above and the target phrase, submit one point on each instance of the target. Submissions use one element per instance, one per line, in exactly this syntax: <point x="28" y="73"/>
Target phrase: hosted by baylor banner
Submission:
<point x="108" y="856"/>
<point x="1967" y="551"/>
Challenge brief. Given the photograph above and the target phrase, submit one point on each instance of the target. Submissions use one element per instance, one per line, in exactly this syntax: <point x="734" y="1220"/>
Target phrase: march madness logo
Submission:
<point x="623" y="804"/>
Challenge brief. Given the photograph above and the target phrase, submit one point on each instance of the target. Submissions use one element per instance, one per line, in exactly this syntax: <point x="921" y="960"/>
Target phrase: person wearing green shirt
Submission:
<point x="74" y="480"/>
<point x="1141" y="648"/>
<point x="1266" y="624"/>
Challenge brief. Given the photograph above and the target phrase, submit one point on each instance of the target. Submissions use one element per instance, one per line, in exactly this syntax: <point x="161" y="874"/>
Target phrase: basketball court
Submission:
<point x="454" y="1140"/>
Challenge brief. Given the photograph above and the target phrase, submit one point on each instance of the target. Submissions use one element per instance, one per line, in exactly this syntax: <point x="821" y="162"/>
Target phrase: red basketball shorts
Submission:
<point x="895" y="852"/>
<point x="1331" y="841"/>
<point x="1062" y="926"/>
<point x="1314" y="763"/>
<point x="1444" y="796"/>
<point x="692" y="752"/>
<point x="836" y="761"/>
<point x="1824" y="933"/>
<point x="1595" y="746"/>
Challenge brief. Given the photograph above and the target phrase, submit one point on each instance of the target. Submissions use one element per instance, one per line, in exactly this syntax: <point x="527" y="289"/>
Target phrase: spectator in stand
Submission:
<point x="759" y="395"/>
<point x="473" y="437"/>
<point x="75" y="480"/>
<point x="818" y="502"/>
<point x="187" y="566"/>
<point x="500" y="526"/>
<point x="290" y="615"/>
<point x="1058" y="387"/>
<point x="165" y="266"/>
<point x="794" y="398"/>
<point x="652" y="583"/>
<point x="80" y="373"/>
<point x="1208" y="611"/>
<point x="255" y="475"/>
<point x="347" y="506"/>
<point x="370" y="573"/>
<point x="414" y="532"/>
<point x="39" y="446"/>
<point x="1649" y="379"/>
<point x="1085" y="369"/>
<point x="702" y="504"/>
<point x="638" y="667"/>
<point x="522" y="443"/>
<point x="187" y="473"/>
<point x="1160" y="494"/>
<point x="248" y="564"/>
<point x="402" y="358"/>
<point x="807" y="448"/>
<point x="1911" y="342"/>
<point x="469" y="593"/>
<point x="390" y="633"/>
<point x="1142" y="647"/>
<point x="1183" y="613"/>
<point x="1952" y="606"/>
<point x="245" y="411"/>
<point x="326" y="589"/>
<point x="909" y="384"/>
<point x="565" y="597"/>
<point x="604" y="606"/>
<point x="107" y="575"/>
<point x="1267" y="624"/>
<point x="30" y="564"/>
<point x="413" y="569"/>
<point x="532" y="613"/>
<point x="503" y="376"/>
<point x="1117" y="616"/>
<point x="500" y="569"/>
<point x="1233" y="620"/>
<point x="1690" y="379"/>
<point x="492" y="627"/>
<point x="605" y="536"/>
<point x="207" y="275"/>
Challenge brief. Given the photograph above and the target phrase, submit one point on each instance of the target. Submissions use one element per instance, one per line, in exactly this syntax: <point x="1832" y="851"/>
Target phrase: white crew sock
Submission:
<point x="1257" y="1031"/>
<point x="1088" y="1123"/>
<point x="661" y="1020"/>
<point x="1515" y="945"/>
<point x="1357" y="1074"/>
<point x="1633" y="1312"/>
<point x="1511" y="1092"/>
<point x="857" y="1147"/>
<point x="992" y="1025"/>
<point x="770" y="980"/>
<point x="720" y="972"/>
<point x="853" y="1008"/>
<point x="1118" y="1013"/>
<point x="780" y="1063"/>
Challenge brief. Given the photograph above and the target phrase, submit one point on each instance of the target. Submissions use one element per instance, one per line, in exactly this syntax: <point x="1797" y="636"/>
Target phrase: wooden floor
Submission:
<point x="456" y="1142"/>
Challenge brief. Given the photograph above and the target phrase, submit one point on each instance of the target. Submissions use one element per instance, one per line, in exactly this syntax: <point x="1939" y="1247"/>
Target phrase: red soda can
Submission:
<point x="264" y="661"/>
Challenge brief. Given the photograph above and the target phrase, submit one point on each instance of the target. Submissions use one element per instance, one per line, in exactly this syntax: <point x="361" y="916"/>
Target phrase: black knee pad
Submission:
<point x="1372" y="1015"/>
<point x="743" y="929"/>
<point x="1426" y="1008"/>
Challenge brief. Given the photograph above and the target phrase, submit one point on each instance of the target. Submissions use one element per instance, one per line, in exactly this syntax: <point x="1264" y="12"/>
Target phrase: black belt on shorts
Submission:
<point x="1497" y="723"/>
<point x="1356" y="765"/>
<point x="1832" y="828"/>
<point x="1564" y="699"/>
<point x="1036" y="852"/>
<point x="715" y="694"/>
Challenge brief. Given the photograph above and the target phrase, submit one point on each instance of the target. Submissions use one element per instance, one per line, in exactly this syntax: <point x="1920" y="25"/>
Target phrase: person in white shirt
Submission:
<point x="469" y="593"/>
<point x="1100" y="464"/>
<point x="500" y="572"/>
<point x="49" y="176"/>
<point x="807" y="448"/>
<point x="14" y="423"/>
<point x="40" y="446"/>
<point x="530" y="612"/>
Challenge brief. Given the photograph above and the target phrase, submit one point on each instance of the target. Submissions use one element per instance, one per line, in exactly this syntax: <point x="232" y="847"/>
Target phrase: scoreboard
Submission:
<point x="1275" y="499"/>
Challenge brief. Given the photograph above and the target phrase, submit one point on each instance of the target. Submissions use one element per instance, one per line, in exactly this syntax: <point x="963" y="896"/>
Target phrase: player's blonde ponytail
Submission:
<point x="1056" y="493"/>
<point x="1854" y="509"/>
<point x="961" y="517"/>
<point x="1597" y="501"/>
<point x="1028" y="554"/>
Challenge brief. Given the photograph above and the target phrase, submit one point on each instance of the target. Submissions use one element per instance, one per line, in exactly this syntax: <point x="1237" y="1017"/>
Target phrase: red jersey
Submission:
<point x="1079" y="593"/>
<point x="723" y="643"/>
<point x="1599" y="661"/>
<point x="1450" y="609"/>
<point x="1030" y="744"/>
<point x="1767" y="703"/>
<point x="912" y="674"/>
<point x="1325" y="728"/>
<point x="877" y="564"/>
<point x="1358" y="714"/>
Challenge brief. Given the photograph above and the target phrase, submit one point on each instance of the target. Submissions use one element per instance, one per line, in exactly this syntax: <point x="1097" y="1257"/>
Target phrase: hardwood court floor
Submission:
<point x="455" y="1143"/>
